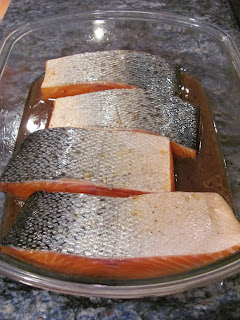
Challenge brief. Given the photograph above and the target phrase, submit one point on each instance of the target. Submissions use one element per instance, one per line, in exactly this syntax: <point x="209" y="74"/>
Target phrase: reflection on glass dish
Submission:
<point x="157" y="37"/>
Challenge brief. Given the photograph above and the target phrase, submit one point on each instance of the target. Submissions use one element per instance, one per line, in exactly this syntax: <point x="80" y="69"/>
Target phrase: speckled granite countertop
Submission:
<point x="217" y="301"/>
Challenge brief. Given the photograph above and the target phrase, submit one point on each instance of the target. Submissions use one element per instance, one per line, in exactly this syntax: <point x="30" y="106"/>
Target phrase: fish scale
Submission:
<point x="116" y="159"/>
<point x="131" y="108"/>
<point x="137" y="237"/>
<point x="134" y="68"/>
<point x="140" y="226"/>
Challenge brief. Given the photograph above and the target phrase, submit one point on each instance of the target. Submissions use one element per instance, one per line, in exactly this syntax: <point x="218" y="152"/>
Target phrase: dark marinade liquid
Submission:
<point x="205" y="174"/>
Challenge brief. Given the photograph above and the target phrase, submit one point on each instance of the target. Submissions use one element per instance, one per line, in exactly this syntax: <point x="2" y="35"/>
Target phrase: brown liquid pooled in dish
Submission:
<point x="205" y="174"/>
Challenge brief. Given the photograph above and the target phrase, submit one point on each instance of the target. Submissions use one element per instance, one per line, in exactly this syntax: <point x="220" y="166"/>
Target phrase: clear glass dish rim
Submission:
<point x="198" y="277"/>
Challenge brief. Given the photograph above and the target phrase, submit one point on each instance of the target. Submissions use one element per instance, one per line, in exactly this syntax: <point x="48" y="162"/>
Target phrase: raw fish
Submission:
<point x="142" y="236"/>
<point x="95" y="161"/>
<point x="135" y="109"/>
<point x="102" y="70"/>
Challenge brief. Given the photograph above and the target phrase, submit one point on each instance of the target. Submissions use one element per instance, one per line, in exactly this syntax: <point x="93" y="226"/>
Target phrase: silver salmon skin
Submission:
<point x="147" y="235"/>
<point x="96" y="71"/>
<point x="136" y="109"/>
<point x="95" y="161"/>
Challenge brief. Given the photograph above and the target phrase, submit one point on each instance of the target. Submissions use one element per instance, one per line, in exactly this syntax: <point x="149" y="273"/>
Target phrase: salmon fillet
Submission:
<point x="116" y="69"/>
<point x="95" y="161"/>
<point x="131" y="109"/>
<point x="142" y="236"/>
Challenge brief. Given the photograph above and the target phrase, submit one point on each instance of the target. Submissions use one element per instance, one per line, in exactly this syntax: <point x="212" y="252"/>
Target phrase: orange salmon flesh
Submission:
<point x="135" y="268"/>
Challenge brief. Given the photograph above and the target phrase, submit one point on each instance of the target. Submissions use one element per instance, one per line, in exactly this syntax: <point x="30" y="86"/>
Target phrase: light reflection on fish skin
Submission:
<point x="122" y="233"/>
<point x="131" y="108"/>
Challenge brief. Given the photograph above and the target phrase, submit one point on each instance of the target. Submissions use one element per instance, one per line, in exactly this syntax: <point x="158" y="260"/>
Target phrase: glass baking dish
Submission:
<point x="200" y="49"/>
